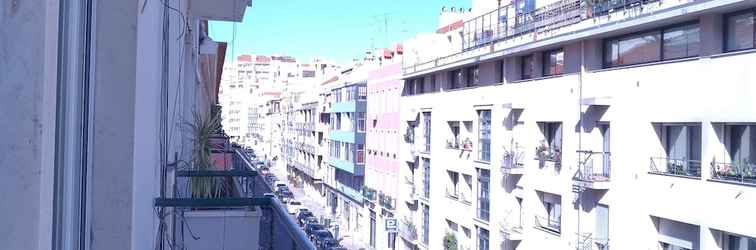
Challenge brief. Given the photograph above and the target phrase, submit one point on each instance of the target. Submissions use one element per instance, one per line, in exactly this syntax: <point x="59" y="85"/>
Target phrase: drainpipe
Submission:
<point x="580" y="129"/>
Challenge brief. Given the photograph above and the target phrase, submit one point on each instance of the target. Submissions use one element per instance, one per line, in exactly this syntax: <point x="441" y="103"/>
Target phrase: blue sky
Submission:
<point x="334" y="29"/>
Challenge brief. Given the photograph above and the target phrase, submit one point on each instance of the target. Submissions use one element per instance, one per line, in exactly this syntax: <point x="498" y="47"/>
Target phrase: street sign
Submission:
<point x="390" y="224"/>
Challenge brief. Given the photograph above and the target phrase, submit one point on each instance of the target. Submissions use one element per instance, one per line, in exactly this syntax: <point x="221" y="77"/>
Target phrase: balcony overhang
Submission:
<point x="513" y="171"/>
<point x="219" y="10"/>
<point x="596" y="101"/>
<point x="511" y="234"/>
<point x="594" y="185"/>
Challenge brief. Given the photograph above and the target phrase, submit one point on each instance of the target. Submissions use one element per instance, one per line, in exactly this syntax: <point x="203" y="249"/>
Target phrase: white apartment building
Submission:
<point x="569" y="125"/>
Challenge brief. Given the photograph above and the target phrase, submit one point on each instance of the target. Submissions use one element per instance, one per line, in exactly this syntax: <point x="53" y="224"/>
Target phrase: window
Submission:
<point x="419" y="85"/>
<point x="681" y="42"/>
<point x="483" y="194"/>
<point x="455" y="78"/>
<point x="737" y="242"/>
<point x="426" y="224"/>
<point x="360" y="154"/>
<point x="362" y="92"/>
<point x="552" y="142"/>
<point x="427" y="131"/>
<point x="740" y="31"/>
<point x="338" y="121"/>
<point x="426" y="178"/>
<point x="633" y="49"/>
<point x="432" y="83"/>
<point x="482" y="239"/>
<point x="526" y="67"/>
<point x="337" y="150"/>
<point x="347" y="151"/>
<point x="361" y="122"/>
<point x="682" y="145"/>
<point x="409" y="87"/>
<point x="741" y="142"/>
<point x="473" y="76"/>
<point x="337" y="95"/>
<point x="500" y="71"/>
<point x="453" y="191"/>
<point x="552" y="205"/>
<point x="484" y="135"/>
<point x="553" y="62"/>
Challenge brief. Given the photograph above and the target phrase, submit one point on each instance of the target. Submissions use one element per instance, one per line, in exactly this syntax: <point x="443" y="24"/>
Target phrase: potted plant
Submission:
<point x="467" y="145"/>
<point x="450" y="241"/>
<point x="203" y="128"/>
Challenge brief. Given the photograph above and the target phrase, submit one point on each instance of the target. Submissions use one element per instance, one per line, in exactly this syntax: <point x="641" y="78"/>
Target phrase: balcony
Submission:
<point x="227" y="206"/>
<point x="369" y="194"/>
<point x="544" y="154"/>
<point x="680" y="167"/>
<point x="408" y="231"/>
<point x="741" y="172"/>
<point x="513" y="162"/>
<point x="386" y="201"/>
<point x="594" y="170"/>
<point x="548" y="224"/>
<point x="588" y="241"/>
<point x="410" y="193"/>
<point x="511" y="228"/>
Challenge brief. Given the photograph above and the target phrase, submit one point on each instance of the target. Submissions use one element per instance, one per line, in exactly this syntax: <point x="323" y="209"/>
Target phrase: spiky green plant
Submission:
<point x="203" y="127"/>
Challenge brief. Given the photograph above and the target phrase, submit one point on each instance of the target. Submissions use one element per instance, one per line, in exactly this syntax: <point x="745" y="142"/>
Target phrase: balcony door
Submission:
<point x="605" y="136"/>
<point x="602" y="224"/>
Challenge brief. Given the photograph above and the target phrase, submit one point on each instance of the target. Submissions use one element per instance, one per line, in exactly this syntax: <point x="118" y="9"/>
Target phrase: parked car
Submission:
<point x="293" y="206"/>
<point x="308" y="221"/>
<point x="301" y="210"/>
<point x="311" y="228"/>
<point x="323" y="239"/>
<point x="303" y="215"/>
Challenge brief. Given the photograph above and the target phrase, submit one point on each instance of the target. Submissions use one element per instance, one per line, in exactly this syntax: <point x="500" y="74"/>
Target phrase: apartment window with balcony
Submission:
<point x="338" y="121"/>
<point x="484" y="200"/>
<point x="739" y="242"/>
<point x="453" y="189"/>
<point x="427" y="130"/>
<point x="337" y="150"/>
<point x="527" y="66"/>
<point x="426" y="224"/>
<point x="741" y="143"/>
<point x="426" y="178"/>
<point x="482" y="239"/>
<point x="550" y="148"/>
<point x="361" y="122"/>
<point x="484" y="135"/>
<point x="553" y="62"/>
<point x="552" y="204"/>
<point x="682" y="146"/>
<point x="673" y="42"/>
<point x="360" y="154"/>
<point x="740" y="30"/>
<point x="472" y="76"/>
<point x="409" y="87"/>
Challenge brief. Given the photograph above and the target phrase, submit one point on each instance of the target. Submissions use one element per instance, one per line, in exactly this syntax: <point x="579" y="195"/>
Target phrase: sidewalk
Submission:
<point x="317" y="209"/>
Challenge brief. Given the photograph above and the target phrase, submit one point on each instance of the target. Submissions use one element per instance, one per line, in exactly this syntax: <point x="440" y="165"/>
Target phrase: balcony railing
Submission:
<point x="739" y="171"/>
<point x="452" y="143"/>
<point x="546" y="153"/>
<point x="386" y="201"/>
<point x="676" y="166"/>
<point x="512" y="159"/>
<point x="548" y="224"/>
<point x="511" y="227"/>
<point x="591" y="171"/>
<point x="240" y="191"/>
<point x="369" y="194"/>
<point x="408" y="231"/>
<point x="588" y="241"/>
<point x="507" y="23"/>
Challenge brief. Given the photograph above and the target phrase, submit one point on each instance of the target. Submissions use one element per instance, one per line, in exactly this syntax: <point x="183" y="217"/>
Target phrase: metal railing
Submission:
<point x="548" y="224"/>
<point x="589" y="171"/>
<point x="507" y="23"/>
<point x="587" y="241"/>
<point x="509" y="226"/>
<point x="739" y="171"/>
<point x="408" y="231"/>
<point x="552" y="154"/>
<point x="240" y="188"/>
<point x="452" y="143"/>
<point x="676" y="166"/>
<point x="512" y="159"/>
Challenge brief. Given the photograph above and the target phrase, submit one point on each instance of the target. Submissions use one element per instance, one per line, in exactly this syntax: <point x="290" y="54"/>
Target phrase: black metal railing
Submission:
<point x="738" y="171"/>
<point x="553" y="225"/>
<point x="676" y="166"/>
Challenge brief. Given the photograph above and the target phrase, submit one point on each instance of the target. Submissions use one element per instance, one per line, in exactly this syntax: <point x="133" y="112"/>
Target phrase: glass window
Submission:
<point x="526" y="65"/>
<point x="426" y="224"/>
<point x="553" y="62"/>
<point x="736" y="242"/>
<point x="362" y="92"/>
<point x="740" y="32"/>
<point x="361" y="122"/>
<point x="473" y="76"/>
<point x="500" y="71"/>
<point x="427" y="132"/>
<point x="484" y="177"/>
<point x="633" y="49"/>
<point x="426" y="178"/>
<point x="455" y="78"/>
<point x="681" y="42"/>
<point x="348" y="151"/>
<point x="360" y="154"/>
<point x="409" y="87"/>
<point x="419" y="85"/>
<point x="484" y="135"/>
<point x="482" y="239"/>
<point x="432" y="83"/>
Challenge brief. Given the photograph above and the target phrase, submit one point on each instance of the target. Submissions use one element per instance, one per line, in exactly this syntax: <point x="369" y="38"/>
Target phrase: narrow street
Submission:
<point x="319" y="210"/>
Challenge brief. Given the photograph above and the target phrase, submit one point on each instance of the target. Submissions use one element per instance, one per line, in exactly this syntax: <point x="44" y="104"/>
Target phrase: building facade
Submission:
<point x="566" y="125"/>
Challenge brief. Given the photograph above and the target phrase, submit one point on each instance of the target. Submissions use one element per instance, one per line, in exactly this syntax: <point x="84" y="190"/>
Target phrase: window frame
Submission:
<point x="546" y="62"/>
<point x="607" y="65"/>
<point x="481" y="139"/>
<point x="531" y="58"/>
<point x="725" y="34"/>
